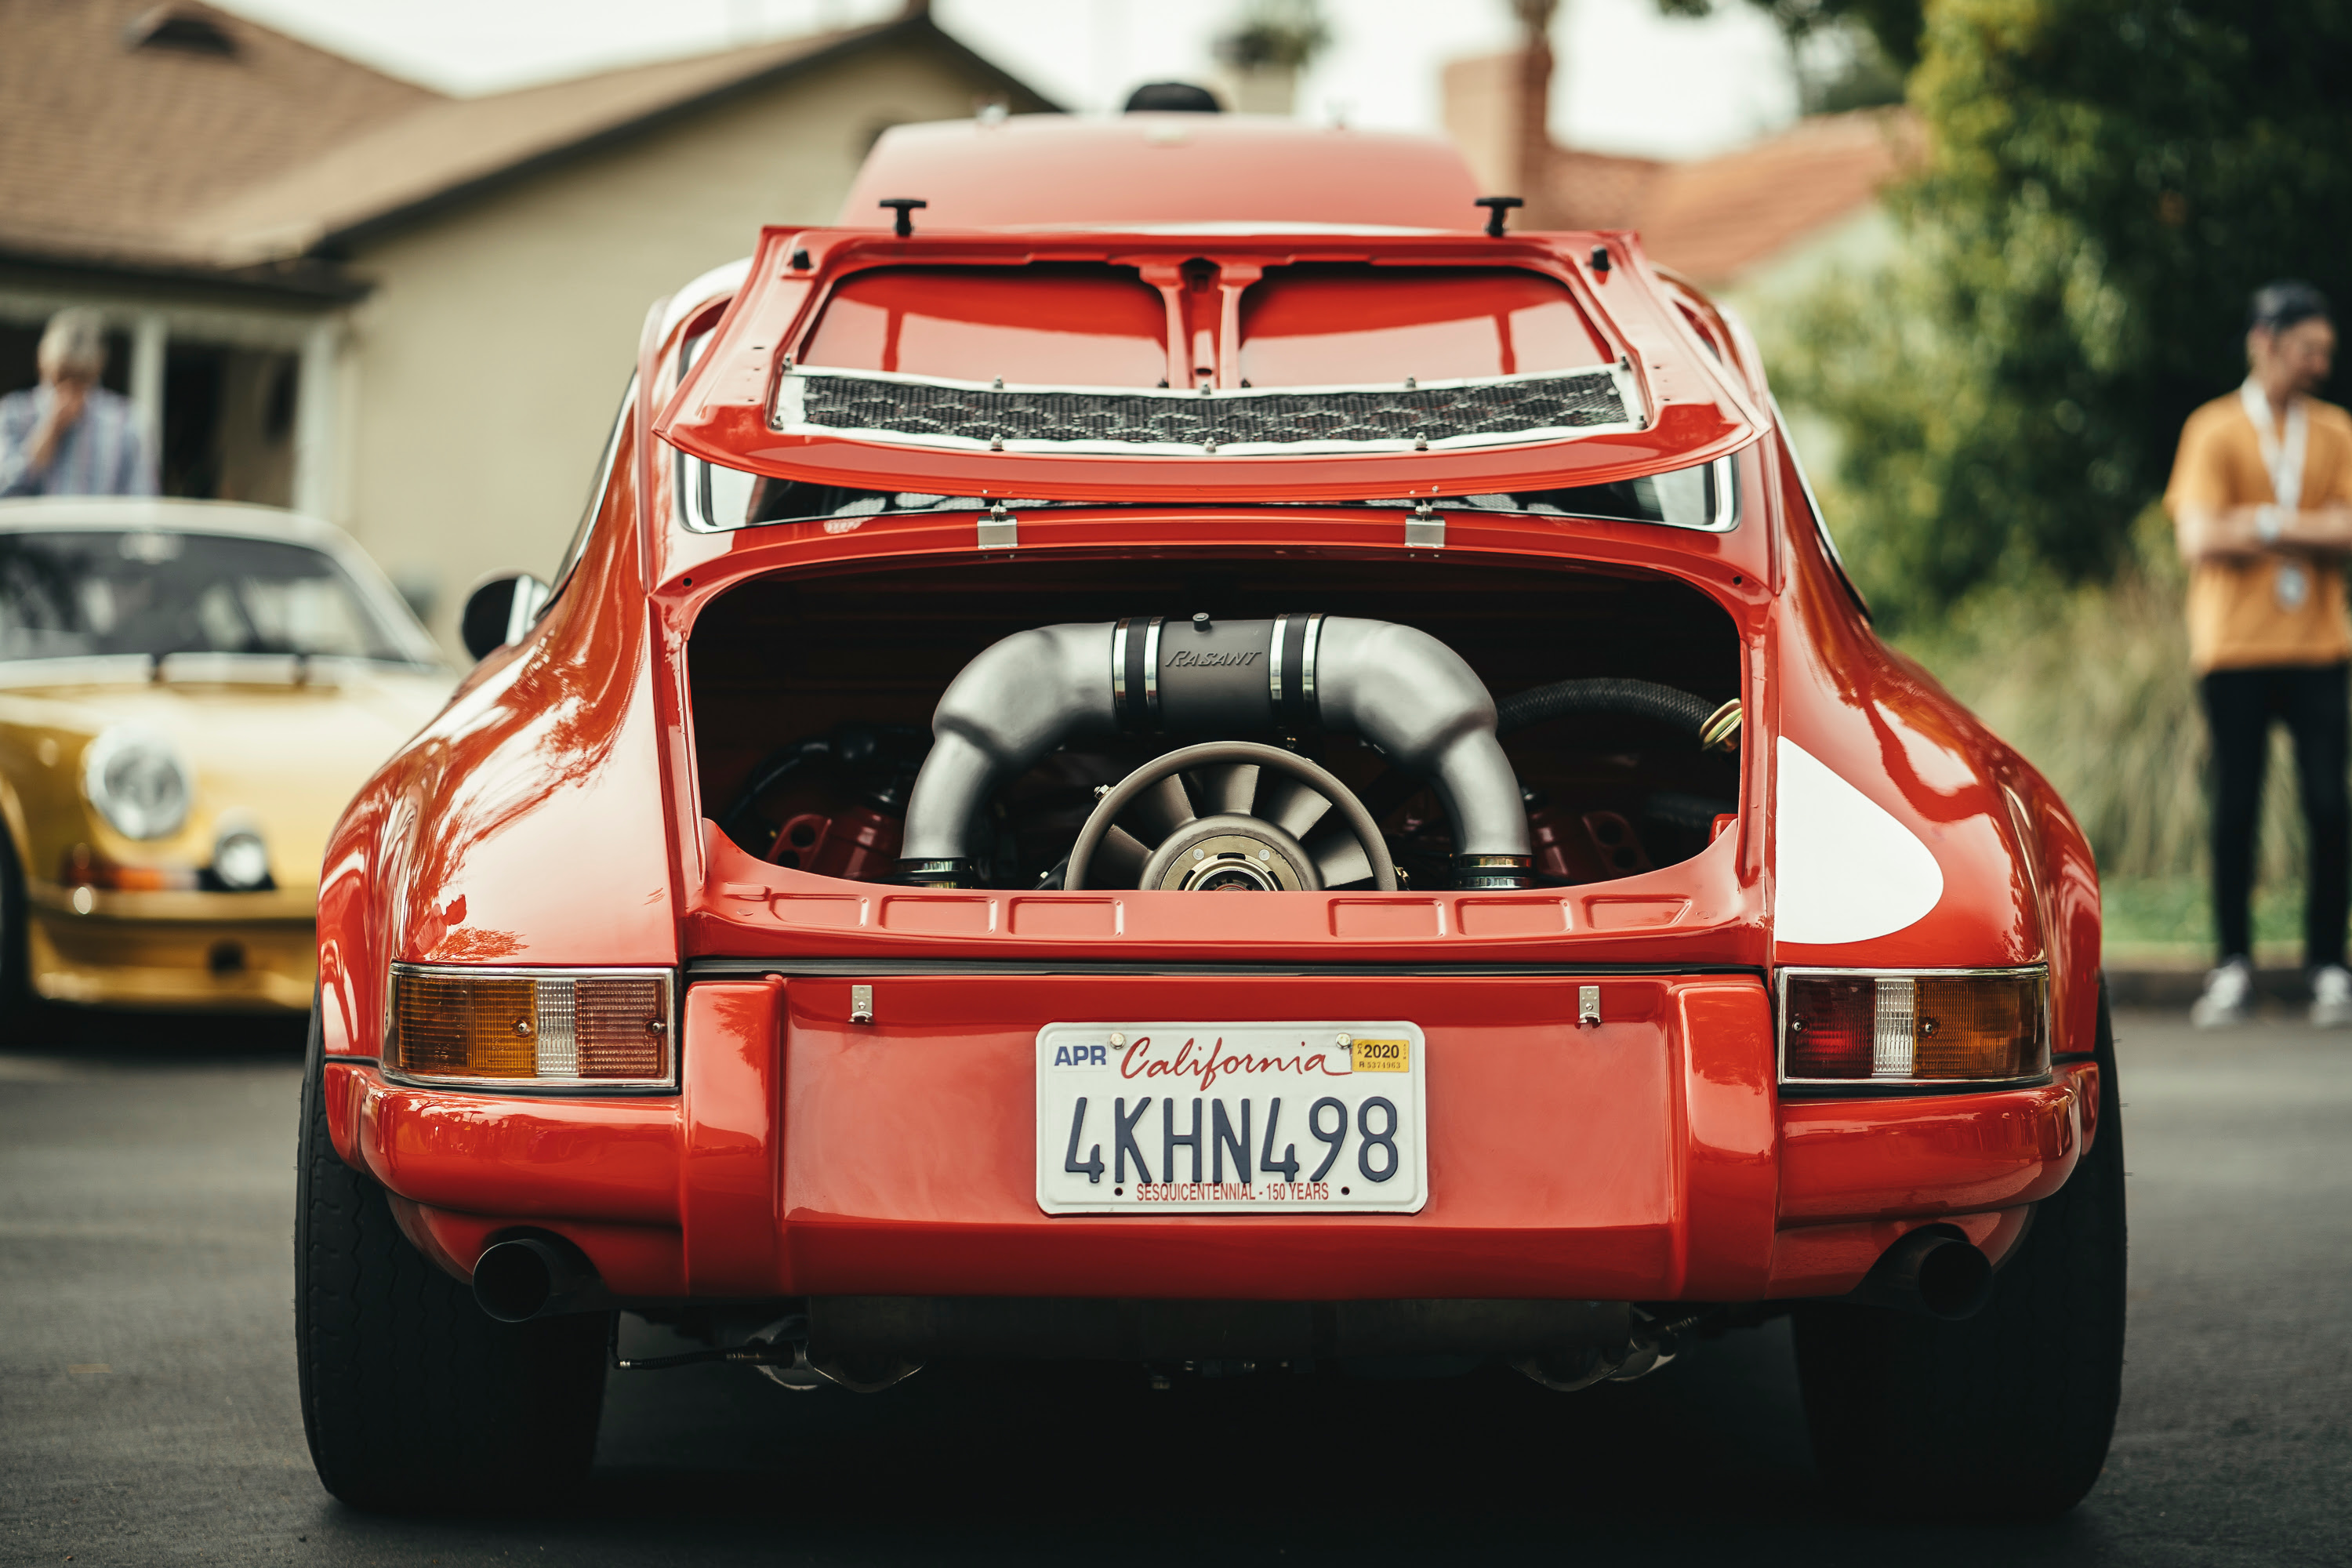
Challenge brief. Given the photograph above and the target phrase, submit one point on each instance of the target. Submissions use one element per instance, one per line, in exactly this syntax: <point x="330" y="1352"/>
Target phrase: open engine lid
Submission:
<point x="1200" y="366"/>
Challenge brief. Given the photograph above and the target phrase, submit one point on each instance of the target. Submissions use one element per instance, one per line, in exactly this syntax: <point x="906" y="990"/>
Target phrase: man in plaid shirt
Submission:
<point x="70" y="437"/>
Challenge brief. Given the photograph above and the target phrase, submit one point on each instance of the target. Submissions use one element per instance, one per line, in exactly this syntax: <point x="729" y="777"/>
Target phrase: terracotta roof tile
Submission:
<point x="106" y="148"/>
<point x="436" y="148"/>
<point x="1599" y="190"/>
<point x="167" y="157"/>
<point x="1718" y="218"/>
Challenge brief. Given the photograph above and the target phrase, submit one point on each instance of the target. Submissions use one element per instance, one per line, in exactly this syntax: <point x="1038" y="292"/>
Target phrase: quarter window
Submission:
<point x="579" y="545"/>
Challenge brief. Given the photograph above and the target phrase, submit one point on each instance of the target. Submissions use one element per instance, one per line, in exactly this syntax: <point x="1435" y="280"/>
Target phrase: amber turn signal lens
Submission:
<point x="498" y="1028"/>
<point x="1914" y="1029"/>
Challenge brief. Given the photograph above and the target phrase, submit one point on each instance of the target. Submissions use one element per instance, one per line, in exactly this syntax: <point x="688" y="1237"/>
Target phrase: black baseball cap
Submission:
<point x="2278" y="306"/>
<point x="1181" y="95"/>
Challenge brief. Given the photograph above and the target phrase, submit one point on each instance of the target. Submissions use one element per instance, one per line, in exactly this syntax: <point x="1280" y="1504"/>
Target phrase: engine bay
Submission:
<point x="1266" y="724"/>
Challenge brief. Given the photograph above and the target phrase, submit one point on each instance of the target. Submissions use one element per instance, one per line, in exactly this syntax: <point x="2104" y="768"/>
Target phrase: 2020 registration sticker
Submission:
<point x="1248" y="1118"/>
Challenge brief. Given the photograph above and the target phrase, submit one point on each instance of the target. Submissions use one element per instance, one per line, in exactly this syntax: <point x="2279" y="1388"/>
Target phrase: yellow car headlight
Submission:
<point x="535" y="1028"/>
<point x="135" y="779"/>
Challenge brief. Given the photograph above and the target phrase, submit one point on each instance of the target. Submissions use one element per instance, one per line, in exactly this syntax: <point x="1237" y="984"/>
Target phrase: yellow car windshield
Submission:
<point x="82" y="592"/>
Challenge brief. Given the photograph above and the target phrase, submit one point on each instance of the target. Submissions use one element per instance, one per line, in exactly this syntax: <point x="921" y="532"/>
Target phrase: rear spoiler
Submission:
<point x="746" y="404"/>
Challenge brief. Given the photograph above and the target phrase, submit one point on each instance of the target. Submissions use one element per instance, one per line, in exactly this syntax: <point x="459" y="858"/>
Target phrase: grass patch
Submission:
<point x="2172" y="916"/>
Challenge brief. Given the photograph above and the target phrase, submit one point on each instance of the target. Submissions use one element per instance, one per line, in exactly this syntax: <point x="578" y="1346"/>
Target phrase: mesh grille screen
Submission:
<point x="1434" y="414"/>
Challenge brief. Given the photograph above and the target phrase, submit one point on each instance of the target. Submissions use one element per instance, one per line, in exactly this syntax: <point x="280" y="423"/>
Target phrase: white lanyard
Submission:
<point x="2285" y="461"/>
<point x="2290" y="583"/>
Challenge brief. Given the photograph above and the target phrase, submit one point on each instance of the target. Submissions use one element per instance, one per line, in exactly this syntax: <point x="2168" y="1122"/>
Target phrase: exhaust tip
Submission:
<point x="1931" y="1270"/>
<point x="1955" y="1280"/>
<point x="523" y="1277"/>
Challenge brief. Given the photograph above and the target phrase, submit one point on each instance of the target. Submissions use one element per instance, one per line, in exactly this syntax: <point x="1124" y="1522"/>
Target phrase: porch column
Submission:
<point x="314" y="420"/>
<point x="149" y="338"/>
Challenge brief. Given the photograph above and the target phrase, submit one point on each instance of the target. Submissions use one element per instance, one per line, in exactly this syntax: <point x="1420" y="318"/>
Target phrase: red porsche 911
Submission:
<point x="788" y="932"/>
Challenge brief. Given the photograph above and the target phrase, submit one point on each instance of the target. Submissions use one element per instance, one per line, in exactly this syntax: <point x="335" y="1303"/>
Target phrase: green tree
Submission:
<point x="1277" y="35"/>
<point x="1870" y="44"/>
<point x="2107" y="181"/>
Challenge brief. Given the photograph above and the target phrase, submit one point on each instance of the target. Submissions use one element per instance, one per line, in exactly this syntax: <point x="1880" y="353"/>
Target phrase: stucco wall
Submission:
<point x="481" y="375"/>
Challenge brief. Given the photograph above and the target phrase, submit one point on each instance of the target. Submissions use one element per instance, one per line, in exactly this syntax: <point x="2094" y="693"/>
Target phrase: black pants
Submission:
<point x="2239" y="707"/>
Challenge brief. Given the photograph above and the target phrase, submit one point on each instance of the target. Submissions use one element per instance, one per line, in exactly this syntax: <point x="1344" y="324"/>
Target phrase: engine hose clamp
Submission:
<point x="1290" y="675"/>
<point x="1274" y="664"/>
<point x="1492" y="873"/>
<point x="1309" y="711"/>
<point x="939" y="873"/>
<point x="1135" y="675"/>
<point x="1151" y="671"/>
<point x="1119" y="685"/>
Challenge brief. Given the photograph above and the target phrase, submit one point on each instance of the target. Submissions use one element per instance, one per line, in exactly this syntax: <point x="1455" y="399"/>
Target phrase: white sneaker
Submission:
<point x="2229" y="996"/>
<point x="2331" y="997"/>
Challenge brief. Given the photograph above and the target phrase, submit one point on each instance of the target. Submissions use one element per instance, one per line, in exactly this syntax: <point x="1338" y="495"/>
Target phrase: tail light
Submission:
<point x="1921" y="1027"/>
<point x="514" y="1029"/>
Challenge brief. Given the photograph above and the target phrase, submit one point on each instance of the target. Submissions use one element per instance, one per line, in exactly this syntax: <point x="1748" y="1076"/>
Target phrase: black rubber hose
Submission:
<point x="1691" y="813"/>
<point x="1605" y="694"/>
<point x="773" y="770"/>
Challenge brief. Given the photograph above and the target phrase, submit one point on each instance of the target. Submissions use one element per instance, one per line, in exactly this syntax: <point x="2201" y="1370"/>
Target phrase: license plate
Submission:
<point x="1230" y="1119"/>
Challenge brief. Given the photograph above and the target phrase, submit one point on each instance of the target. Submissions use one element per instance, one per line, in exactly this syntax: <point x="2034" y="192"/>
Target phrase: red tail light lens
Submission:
<point x="512" y="1029"/>
<point x="619" y="1026"/>
<point x="1828" y="1027"/>
<point x="1923" y="1027"/>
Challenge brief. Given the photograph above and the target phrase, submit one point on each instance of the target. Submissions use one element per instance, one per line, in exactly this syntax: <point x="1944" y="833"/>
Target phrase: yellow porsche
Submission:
<point x="189" y="693"/>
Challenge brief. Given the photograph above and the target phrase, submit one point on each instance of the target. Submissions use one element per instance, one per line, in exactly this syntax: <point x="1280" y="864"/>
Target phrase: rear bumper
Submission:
<point x="193" y="952"/>
<point x="1646" y="1159"/>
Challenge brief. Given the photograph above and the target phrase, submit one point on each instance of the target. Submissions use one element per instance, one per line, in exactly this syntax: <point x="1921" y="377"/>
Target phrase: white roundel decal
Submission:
<point x="1846" y="871"/>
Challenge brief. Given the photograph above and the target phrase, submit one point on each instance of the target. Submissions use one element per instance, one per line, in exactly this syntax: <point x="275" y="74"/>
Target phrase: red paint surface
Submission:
<point x="1929" y="1155"/>
<point x="733" y="1107"/>
<point x="545" y="1158"/>
<point x="1731" y="1130"/>
<point x="1038" y="169"/>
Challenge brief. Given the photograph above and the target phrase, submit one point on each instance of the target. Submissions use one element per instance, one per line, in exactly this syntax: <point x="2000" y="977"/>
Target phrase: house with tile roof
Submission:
<point x="1761" y="221"/>
<point x="1748" y="225"/>
<point x="407" y="312"/>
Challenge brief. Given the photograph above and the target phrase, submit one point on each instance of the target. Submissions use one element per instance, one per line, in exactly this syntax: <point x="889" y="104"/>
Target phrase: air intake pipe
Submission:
<point x="1402" y="689"/>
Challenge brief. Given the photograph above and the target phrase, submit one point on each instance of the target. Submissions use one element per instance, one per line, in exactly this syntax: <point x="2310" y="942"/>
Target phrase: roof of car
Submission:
<point x="186" y="516"/>
<point x="1165" y="171"/>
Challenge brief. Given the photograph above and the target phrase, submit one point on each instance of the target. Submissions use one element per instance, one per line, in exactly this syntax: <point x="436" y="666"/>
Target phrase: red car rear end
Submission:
<point x="784" y="934"/>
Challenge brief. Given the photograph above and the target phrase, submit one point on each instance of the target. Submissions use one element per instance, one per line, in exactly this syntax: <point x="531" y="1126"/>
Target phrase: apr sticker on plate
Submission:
<point x="1230" y="1119"/>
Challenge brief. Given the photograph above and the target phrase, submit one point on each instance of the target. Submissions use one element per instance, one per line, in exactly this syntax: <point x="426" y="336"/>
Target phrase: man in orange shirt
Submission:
<point x="2262" y="505"/>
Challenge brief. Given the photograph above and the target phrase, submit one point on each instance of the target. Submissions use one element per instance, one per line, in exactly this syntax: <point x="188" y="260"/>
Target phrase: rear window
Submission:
<point x="1704" y="497"/>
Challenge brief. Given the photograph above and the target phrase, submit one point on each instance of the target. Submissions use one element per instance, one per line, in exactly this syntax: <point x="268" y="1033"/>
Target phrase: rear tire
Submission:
<point x="414" y="1400"/>
<point x="2008" y="1414"/>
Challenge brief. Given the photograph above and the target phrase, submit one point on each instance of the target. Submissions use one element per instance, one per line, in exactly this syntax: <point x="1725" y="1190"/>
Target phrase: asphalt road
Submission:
<point x="147" y="1409"/>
